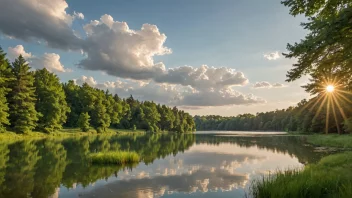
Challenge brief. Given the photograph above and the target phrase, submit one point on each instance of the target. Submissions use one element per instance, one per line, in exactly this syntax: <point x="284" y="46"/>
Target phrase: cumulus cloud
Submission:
<point x="220" y="98"/>
<point x="120" y="51"/>
<point x="272" y="55"/>
<point x="14" y="52"/>
<point x="33" y="20"/>
<point x="78" y="15"/>
<point x="174" y="94"/>
<point x="265" y="84"/>
<point x="203" y="78"/>
<point x="50" y="61"/>
<point x="116" y="49"/>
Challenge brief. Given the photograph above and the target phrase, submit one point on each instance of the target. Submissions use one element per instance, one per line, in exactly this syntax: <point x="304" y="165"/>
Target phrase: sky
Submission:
<point x="218" y="57"/>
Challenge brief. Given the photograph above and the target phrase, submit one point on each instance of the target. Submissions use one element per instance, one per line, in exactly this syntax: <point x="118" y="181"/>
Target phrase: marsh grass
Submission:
<point x="330" y="177"/>
<point x="118" y="157"/>
<point x="341" y="141"/>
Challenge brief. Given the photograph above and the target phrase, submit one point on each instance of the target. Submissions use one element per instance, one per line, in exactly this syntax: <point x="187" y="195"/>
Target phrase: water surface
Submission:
<point x="173" y="165"/>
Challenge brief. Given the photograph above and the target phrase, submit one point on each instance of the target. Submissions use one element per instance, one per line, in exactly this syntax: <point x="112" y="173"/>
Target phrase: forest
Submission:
<point x="307" y="116"/>
<point x="37" y="100"/>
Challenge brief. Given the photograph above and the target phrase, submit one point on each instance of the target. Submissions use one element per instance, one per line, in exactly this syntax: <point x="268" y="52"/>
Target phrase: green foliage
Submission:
<point x="74" y="103"/>
<point x="117" y="157"/>
<point x="5" y="79"/>
<point x="307" y="116"/>
<point x="325" y="53"/>
<point x="23" y="116"/>
<point x="50" y="103"/>
<point x="83" y="122"/>
<point x="342" y="141"/>
<point x="348" y="125"/>
<point x="328" y="178"/>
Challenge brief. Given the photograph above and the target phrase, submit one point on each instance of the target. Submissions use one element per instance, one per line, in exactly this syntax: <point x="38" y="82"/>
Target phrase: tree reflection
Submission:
<point x="38" y="168"/>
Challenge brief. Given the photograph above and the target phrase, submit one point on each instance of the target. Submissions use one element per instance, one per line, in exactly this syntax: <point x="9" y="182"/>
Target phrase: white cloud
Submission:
<point x="278" y="85"/>
<point x="14" y="52"/>
<point x="174" y="94"/>
<point x="272" y="55"/>
<point x="33" y="20"/>
<point x="78" y="15"/>
<point x="116" y="49"/>
<point x="265" y="84"/>
<point x="50" y="61"/>
<point x="221" y="97"/>
<point x="203" y="78"/>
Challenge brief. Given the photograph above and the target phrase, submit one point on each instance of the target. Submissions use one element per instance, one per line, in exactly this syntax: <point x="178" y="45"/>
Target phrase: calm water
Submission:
<point x="174" y="165"/>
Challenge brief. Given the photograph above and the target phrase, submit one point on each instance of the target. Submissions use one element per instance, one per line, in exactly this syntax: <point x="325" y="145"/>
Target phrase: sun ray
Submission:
<point x="320" y="107"/>
<point x="327" y="117"/>
<point x="335" y="99"/>
<point x="344" y="97"/>
<point x="346" y="92"/>
<point x="317" y="101"/>
<point x="336" y="119"/>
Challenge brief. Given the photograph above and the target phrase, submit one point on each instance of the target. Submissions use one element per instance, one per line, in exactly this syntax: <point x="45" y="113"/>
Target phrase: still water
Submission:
<point x="173" y="165"/>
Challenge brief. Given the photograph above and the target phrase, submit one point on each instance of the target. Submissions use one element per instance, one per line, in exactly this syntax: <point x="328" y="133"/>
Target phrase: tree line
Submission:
<point x="307" y="116"/>
<point x="37" y="100"/>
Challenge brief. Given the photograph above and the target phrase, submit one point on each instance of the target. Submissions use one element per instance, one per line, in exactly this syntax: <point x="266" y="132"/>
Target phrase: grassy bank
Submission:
<point x="119" y="157"/>
<point x="68" y="132"/>
<point x="330" y="177"/>
<point x="340" y="141"/>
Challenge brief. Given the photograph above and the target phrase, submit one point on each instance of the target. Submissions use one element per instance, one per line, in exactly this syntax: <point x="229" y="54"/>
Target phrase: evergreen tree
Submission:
<point x="83" y="122"/>
<point x="51" y="101"/>
<point x="5" y="79"/>
<point x="23" y="115"/>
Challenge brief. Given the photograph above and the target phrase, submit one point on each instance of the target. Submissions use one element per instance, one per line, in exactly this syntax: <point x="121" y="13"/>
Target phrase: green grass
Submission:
<point x="66" y="132"/>
<point x="340" y="141"/>
<point x="119" y="157"/>
<point x="330" y="177"/>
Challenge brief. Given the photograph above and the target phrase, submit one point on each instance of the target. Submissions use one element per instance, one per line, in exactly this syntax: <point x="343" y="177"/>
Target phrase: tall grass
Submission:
<point x="119" y="157"/>
<point x="341" y="141"/>
<point x="331" y="177"/>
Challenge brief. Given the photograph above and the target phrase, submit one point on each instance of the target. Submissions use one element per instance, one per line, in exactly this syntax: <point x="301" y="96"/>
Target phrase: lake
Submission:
<point x="204" y="164"/>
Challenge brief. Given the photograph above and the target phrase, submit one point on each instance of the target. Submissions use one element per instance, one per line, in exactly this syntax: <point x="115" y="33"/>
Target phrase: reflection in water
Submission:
<point x="173" y="165"/>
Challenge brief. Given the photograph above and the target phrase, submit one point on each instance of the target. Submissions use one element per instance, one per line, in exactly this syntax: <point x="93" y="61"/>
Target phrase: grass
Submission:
<point x="119" y="157"/>
<point x="340" y="141"/>
<point x="330" y="177"/>
<point x="66" y="132"/>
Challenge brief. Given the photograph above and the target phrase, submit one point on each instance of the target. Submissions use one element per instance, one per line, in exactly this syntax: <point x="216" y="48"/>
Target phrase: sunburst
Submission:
<point x="331" y="95"/>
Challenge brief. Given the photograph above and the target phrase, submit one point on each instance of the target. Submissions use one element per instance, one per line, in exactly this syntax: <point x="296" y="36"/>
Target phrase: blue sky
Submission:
<point x="222" y="33"/>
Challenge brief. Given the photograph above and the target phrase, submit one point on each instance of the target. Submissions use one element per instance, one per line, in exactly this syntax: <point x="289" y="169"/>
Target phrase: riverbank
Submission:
<point x="330" y="177"/>
<point x="68" y="132"/>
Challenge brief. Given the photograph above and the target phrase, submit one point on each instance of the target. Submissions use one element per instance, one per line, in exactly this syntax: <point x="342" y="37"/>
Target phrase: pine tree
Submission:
<point x="23" y="115"/>
<point x="51" y="103"/>
<point x="83" y="122"/>
<point x="5" y="78"/>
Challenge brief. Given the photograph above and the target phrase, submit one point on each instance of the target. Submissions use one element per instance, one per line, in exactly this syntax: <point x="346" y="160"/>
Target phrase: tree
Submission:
<point x="23" y="115"/>
<point x="51" y="101"/>
<point x="83" y="122"/>
<point x="327" y="49"/>
<point x="5" y="79"/>
<point x="74" y="103"/>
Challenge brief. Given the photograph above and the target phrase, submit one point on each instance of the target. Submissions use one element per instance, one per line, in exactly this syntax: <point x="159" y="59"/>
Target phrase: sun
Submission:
<point x="330" y="88"/>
